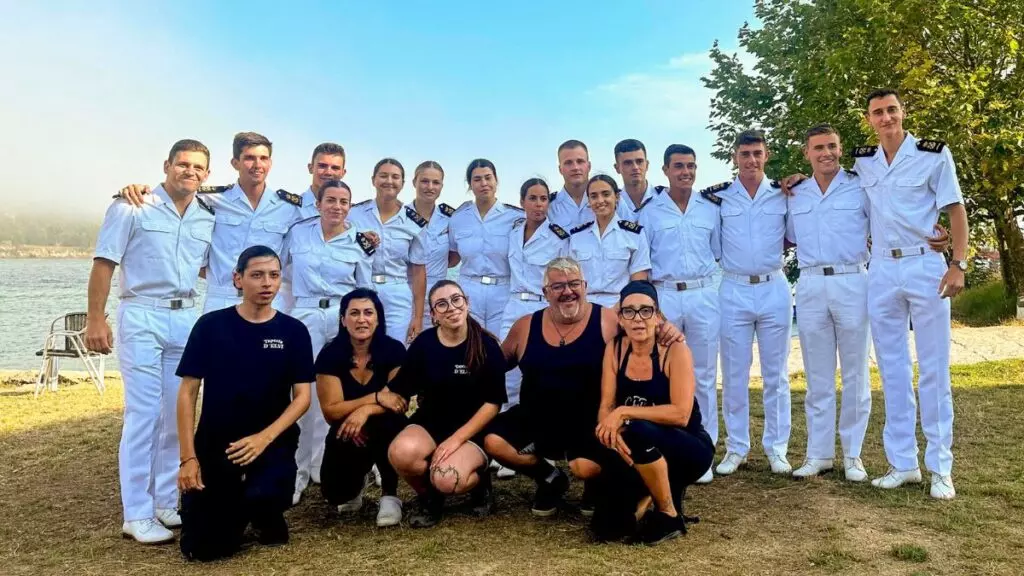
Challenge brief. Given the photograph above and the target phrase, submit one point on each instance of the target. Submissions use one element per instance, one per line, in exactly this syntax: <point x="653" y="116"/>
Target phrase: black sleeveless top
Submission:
<point x="652" y="392"/>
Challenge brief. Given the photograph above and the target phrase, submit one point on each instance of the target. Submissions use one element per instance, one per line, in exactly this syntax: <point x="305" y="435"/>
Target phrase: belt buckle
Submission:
<point x="379" y="279"/>
<point x="828" y="271"/>
<point x="896" y="253"/>
<point x="754" y="279"/>
<point x="177" y="304"/>
<point x="681" y="286"/>
<point x="324" y="303"/>
<point x="488" y="280"/>
<point x="525" y="296"/>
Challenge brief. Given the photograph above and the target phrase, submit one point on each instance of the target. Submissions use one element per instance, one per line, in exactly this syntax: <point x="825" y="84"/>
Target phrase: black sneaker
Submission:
<point x="588" y="501"/>
<point x="549" y="494"/>
<point x="271" y="530"/>
<point x="657" y="527"/>
<point x="427" y="510"/>
<point x="482" y="495"/>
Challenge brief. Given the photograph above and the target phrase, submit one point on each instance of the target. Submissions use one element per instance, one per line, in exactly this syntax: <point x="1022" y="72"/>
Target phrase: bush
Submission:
<point x="985" y="305"/>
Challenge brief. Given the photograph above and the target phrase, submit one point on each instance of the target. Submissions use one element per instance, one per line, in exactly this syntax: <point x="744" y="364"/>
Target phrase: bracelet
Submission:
<point x="375" y="399"/>
<point x="186" y="461"/>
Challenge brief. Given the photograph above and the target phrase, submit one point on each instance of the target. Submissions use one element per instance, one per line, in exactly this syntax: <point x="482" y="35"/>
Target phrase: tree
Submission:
<point x="957" y="63"/>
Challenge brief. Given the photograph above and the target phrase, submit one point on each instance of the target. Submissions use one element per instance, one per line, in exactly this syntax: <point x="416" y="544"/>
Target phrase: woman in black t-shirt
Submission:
<point x="352" y="373"/>
<point x="457" y="373"/>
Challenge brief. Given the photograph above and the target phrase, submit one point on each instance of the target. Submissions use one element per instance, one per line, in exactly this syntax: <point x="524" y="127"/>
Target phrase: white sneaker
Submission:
<point x="504" y="473"/>
<point x="942" y="487"/>
<point x="376" y="476"/>
<point x="895" y="478"/>
<point x="494" y="465"/>
<point x="148" y="531"/>
<point x="779" y="464"/>
<point x="353" y="505"/>
<point x="168" y="517"/>
<point x="314" y="475"/>
<point x="855" y="471"/>
<point x="390" y="513"/>
<point x="730" y="463"/>
<point x="812" y="467"/>
<point x="295" y="498"/>
<point x="707" y="477"/>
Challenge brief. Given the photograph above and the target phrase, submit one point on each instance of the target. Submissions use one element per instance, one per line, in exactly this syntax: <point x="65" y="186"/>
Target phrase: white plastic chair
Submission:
<point x="66" y="340"/>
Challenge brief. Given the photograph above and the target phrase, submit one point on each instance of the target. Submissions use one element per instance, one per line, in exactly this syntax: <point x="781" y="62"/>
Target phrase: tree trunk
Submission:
<point x="1011" y="252"/>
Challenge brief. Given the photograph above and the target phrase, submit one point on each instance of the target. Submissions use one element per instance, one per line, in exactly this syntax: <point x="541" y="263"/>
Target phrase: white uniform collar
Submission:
<point x="563" y="193"/>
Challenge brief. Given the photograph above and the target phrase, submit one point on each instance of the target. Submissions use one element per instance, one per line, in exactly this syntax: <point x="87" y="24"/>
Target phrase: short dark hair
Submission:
<point x="607" y="180"/>
<point x="882" y="93"/>
<point x="570" y="144"/>
<point x="819" y="130"/>
<point x="480" y="163"/>
<point x="427" y="165"/>
<point x="749" y="137"/>
<point x="334" y="183"/>
<point x="257" y="251"/>
<point x="385" y="162"/>
<point x="329" y="148"/>
<point x="678" y="149"/>
<point x="188" y="146"/>
<point x="530" y="184"/>
<point x="245" y="140"/>
<point x="629" y="145"/>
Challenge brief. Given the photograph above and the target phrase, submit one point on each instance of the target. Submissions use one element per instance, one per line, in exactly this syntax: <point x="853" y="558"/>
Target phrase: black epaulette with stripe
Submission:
<point x="517" y="222"/>
<point x="415" y="216"/>
<point x="659" y="189"/>
<point x="552" y="196"/>
<point x="293" y="199"/>
<point x="863" y="151"/>
<point x="561" y="233"/>
<point x="214" y="189"/>
<point x="931" y="145"/>
<point x="642" y="204"/>
<point x="365" y="244"/>
<point x="446" y="209"/>
<point x="775" y="184"/>
<point x="204" y="205"/>
<point x="630" y="226"/>
<point x="581" y="227"/>
<point x="513" y="206"/>
<point x="850" y="172"/>
<point x="711" y="193"/>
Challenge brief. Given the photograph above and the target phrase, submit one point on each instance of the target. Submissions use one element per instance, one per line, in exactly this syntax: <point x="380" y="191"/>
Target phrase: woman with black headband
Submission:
<point x="650" y="418"/>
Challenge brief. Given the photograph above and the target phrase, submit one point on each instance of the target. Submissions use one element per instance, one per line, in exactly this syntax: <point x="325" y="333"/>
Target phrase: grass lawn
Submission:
<point x="60" y="508"/>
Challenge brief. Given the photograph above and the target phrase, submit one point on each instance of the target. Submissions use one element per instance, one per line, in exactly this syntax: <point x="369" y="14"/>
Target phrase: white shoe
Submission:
<point x="376" y="476"/>
<point x="812" y="467"/>
<point x="730" y="463"/>
<point x="353" y="505"/>
<point x="855" y="471"/>
<point x="148" y="531"/>
<point x="390" y="513"/>
<point x="494" y="465"/>
<point x="895" y="478"/>
<point x="942" y="487"/>
<point x="779" y="464"/>
<point x="314" y="475"/>
<point x="168" y="517"/>
<point x="707" y="477"/>
<point x="295" y="498"/>
<point x="504" y="473"/>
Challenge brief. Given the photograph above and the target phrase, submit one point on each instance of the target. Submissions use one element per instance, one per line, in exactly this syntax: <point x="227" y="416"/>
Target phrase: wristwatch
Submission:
<point x="961" y="264"/>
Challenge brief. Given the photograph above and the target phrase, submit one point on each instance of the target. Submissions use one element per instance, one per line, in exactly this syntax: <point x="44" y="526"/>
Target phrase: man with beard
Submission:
<point x="559" y="351"/>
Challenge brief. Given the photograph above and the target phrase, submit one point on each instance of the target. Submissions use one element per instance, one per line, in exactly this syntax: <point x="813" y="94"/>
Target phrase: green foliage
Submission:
<point x="909" y="553"/>
<point x="985" y="305"/>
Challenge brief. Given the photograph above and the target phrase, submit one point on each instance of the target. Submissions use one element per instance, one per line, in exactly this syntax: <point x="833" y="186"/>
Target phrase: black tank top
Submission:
<point x="653" y="392"/>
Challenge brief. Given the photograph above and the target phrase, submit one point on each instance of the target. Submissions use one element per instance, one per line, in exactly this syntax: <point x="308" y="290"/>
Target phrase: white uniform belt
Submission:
<point x="488" y="280"/>
<point x="386" y="279"/>
<point x="526" y="296"/>
<point x="224" y="291"/>
<point x="833" y="269"/>
<point x="171" y="303"/>
<point x="904" y="252"/>
<point x="750" y="278"/>
<point x="317" y="301"/>
<point x="680" y="285"/>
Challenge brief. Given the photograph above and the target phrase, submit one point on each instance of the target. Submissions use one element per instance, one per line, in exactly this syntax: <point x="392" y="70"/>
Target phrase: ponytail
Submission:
<point x="476" y="352"/>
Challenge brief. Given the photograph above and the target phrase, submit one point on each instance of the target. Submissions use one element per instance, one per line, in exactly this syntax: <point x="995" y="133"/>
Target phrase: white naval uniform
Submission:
<point x="527" y="261"/>
<point x="400" y="246"/>
<point x="435" y="244"/>
<point x="626" y="209"/>
<point x="906" y="198"/>
<point x="609" y="260"/>
<point x="238" y="227"/>
<point x="160" y="254"/>
<point x="482" y="245"/>
<point x="830" y="231"/>
<point x="685" y="249"/>
<point x="565" y="212"/>
<point x="754" y="298"/>
<point x="320" y="273"/>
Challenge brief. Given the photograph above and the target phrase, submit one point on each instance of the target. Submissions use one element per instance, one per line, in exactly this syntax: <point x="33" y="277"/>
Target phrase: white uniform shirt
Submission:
<point x="527" y="261"/>
<point x="238" y="227"/>
<point x="753" y="229"/>
<point x="159" y="252"/>
<point x="400" y="242"/>
<point x="308" y="209"/>
<point x="626" y="210"/>
<point x="684" y="246"/>
<point x="907" y="195"/>
<point x="482" y="243"/>
<point x="608" y="261"/>
<point x="435" y="243"/>
<point x="829" y="228"/>
<point x="322" y="268"/>
<point x="564" y="211"/>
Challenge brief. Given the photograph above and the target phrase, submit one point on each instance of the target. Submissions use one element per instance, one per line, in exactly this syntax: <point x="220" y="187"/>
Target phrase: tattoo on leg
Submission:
<point x="444" y="472"/>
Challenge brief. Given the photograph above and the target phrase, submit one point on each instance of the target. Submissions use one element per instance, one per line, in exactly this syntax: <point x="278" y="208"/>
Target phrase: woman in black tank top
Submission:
<point x="650" y="419"/>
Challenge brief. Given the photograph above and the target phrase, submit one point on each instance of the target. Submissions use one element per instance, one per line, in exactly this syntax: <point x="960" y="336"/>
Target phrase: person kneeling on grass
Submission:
<point x="255" y="365"/>
<point x="651" y="424"/>
<point x="352" y="374"/>
<point x="457" y="373"/>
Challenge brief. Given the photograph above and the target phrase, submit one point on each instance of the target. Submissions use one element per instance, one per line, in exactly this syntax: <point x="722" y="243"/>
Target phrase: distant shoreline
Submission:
<point x="27" y="252"/>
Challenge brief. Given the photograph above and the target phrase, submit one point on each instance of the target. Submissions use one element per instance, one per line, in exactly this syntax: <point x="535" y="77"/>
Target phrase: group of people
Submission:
<point x="510" y="370"/>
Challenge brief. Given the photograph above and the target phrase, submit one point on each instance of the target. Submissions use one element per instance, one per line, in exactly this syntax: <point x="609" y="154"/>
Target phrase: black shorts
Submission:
<point x="547" y="438"/>
<point x="441" y="431"/>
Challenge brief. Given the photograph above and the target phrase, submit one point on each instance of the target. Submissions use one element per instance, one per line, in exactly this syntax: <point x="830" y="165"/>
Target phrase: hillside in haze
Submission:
<point x="48" y="230"/>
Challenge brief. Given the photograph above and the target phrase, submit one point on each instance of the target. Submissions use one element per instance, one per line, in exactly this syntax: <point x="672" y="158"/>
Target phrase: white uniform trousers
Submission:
<point x="486" y="301"/>
<point x="516" y="309"/>
<point x="150" y="341"/>
<point x="764" y="309"/>
<point x="695" y="312"/>
<point x="831" y="316"/>
<point x="901" y="291"/>
<point x="322" y="324"/>
<point x="396" y="296"/>
<point x="427" y="320"/>
<point x="606" y="299"/>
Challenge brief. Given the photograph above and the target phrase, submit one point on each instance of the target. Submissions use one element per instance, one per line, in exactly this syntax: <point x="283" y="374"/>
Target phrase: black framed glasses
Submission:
<point x="441" y="305"/>
<point x="561" y="286"/>
<point x="645" y="312"/>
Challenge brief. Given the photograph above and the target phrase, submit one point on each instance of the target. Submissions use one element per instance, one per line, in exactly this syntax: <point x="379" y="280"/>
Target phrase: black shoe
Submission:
<point x="427" y="510"/>
<point x="549" y="494"/>
<point x="271" y="530"/>
<point x="588" y="501"/>
<point x="482" y="495"/>
<point x="657" y="527"/>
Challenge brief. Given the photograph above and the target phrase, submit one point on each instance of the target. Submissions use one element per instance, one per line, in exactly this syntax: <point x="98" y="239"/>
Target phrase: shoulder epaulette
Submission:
<point x="293" y="199"/>
<point x="717" y="187"/>
<point x="361" y="203"/>
<point x="930" y="145"/>
<point x="581" y="227"/>
<point x="558" y="231"/>
<point x="365" y="244"/>
<point x="659" y="189"/>
<point x="517" y="222"/>
<point x="642" y="204"/>
<point x="552" y="196"/>
<point x="464" y="205"/>
<point x="630" y="226"/>
<point x="304" y="220"/>
<point x="710" y="194"/>
<point x="204" y="205"/>
<point x="850" y="172"/>
<point x="214" y="189"/>
<point x="415" y="216"/>
<point x="863" y="151"/>
<point x="775" y="184"/>
<point x="514" y="207"/>
<point x="446" y="209"/>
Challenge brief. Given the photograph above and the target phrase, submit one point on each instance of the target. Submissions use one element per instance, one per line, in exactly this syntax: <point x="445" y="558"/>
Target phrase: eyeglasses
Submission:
<point x="645" y="312"/>
<point x="441" y="305"/>
<point x="561" y="286"/>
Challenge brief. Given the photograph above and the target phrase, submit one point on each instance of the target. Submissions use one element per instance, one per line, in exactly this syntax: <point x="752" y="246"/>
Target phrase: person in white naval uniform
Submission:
<point x="828" y="222"/>
<point x="611" y="253"/>
<point x="909" y="182"/>
<point x="631" y="163"/>
<point x="428" y="181"/>
<point x="478" y="238"/>
<point x="684" y="232"/>
<point x="327" y="163"/>
<point x="398" y="276"/>
<point x="160" y="246"/>
<point x="569" y="206"/>
<point x="754" y="298"/>
<point x="534" y="243"/>
<point x="323" y="258"/>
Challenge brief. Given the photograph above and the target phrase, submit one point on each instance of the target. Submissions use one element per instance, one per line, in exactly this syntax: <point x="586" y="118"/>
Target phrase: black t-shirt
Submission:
<point x="336" y="360"/>
<point x="248" y="371"/>
<point x="448" y="395"/>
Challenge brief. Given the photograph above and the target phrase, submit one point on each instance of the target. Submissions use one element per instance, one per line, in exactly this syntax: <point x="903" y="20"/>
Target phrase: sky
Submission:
<point x="95" y="93"/>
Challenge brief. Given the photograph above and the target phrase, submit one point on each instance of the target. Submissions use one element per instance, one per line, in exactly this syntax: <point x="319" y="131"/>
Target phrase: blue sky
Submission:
<point x="97" y="92"/>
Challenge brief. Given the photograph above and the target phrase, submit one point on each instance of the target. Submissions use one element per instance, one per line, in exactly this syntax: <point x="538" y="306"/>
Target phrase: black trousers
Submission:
<point x="214" y="519"/>
<point x="345" y="465"/>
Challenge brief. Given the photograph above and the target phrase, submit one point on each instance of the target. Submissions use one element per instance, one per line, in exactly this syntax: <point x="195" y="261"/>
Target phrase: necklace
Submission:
<point x="561" y="336"/>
